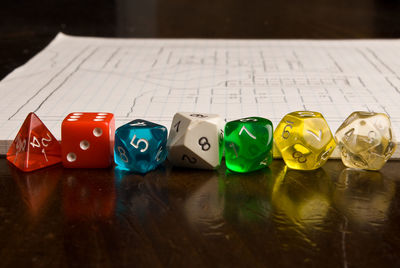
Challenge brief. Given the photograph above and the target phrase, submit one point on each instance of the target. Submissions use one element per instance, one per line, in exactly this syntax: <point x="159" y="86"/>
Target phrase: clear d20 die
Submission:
<point x="248" y="144"/>
<point x="34" y="147"/>
<point x="195" y="140"/>
<point x="366" y="140"/>
<point x="140" y="146"/>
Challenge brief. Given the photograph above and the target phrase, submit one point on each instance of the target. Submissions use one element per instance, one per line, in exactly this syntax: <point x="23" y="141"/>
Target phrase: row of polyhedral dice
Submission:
<point x="89" y="140"/>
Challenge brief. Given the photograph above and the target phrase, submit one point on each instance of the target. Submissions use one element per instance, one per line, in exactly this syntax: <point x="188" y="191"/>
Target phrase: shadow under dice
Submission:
<point x="140" y="146"/>
<point x="304" y="139"/>
<point x="366" y="140"/>
<point x="248" y="144"/>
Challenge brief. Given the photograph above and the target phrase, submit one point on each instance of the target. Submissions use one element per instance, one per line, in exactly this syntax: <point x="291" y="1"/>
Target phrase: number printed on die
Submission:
<point x="177" y="126"/>
<point x="122" y="154"/>
<point x="371" y="136"/>
<point x="146" y="144"/>
<point x="138" y="124"/>
<point x="348" y="134"/>
<point x="286" y="132"/>
<point x="234" y="149"/>
<point x="159" y="154"/>
<point x="44" y="142"/>
<point x="318" y="137"/>
<point x="199" y="115"/>
<point x="205" y="145"/>
<point x="299" y="157"/>
<point x="191" y="160"/>
<point x="306" y="114"/>
<point x="248" y="119"/>
<point x="20" y="146"/>
<point x="325" y="155"/>
<point x="221" y="135"/>
<point x="248" y="132"/>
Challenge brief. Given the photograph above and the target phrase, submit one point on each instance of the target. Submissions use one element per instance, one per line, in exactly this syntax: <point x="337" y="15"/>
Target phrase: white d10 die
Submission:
<point x="195" y="140"/>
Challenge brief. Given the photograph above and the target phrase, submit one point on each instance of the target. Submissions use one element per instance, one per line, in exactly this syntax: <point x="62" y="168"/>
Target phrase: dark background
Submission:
<point x="26" y="27"/>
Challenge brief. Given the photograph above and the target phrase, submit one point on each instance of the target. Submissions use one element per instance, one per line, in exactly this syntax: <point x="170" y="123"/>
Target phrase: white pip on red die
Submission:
<point x="87" y="140"/>
<point x="196" y="140"/>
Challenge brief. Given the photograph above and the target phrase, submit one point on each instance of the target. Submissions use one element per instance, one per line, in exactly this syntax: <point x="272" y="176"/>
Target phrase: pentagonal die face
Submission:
<point x="366" y="140"/>
<point x="304" y="139"/>
<point x="248" y="144"/>
<point x="140" y="146"/>
<point x="195" y="140"/>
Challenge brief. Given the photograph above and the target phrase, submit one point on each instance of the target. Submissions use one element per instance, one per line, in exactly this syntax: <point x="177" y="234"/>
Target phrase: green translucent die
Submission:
<point x="248" y="144"/>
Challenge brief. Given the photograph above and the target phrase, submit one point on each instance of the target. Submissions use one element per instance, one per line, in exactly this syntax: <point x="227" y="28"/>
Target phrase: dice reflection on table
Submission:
<point x="364" y="197"/>
<point x="302" y="198"/>
<point x="37" y="188"/>
<point x="88" y="195"/>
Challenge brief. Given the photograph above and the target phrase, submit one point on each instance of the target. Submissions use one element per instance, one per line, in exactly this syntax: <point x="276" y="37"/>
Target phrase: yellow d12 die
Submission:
<point x="366" y="140"/>
<point x="304" y="140"/>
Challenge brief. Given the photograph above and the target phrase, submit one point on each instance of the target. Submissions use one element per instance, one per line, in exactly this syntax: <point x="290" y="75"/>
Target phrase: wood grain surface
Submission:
<point x="173" y="217"/>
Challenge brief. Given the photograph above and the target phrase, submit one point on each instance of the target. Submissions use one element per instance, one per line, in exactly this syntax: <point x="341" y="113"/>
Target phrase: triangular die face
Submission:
<point x="198" y="116"/>
<point x="179" y="126"/>
<point x="184" y="157"/>
<point x="17" y="152"/>
<point x="202" y="139"/>
<point x="178" y="141"/>
<point x="34" y="147"/>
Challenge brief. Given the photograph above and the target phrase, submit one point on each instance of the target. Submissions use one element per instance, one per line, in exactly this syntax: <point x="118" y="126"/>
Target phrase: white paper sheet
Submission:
<point x="153" y="79"/>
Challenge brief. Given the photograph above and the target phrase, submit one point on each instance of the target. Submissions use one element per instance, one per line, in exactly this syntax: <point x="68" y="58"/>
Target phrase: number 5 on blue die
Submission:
<point x="140" y="146"/>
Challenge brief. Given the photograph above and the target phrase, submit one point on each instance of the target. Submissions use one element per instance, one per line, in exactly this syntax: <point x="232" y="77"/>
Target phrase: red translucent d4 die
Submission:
<point x="34" y="146"/>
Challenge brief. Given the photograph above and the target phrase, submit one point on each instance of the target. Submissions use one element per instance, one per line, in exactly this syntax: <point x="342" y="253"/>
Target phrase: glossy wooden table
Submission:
<point x="331" y="217"/>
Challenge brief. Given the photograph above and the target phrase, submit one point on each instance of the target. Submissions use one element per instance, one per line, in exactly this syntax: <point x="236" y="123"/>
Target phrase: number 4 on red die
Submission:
<point x="34" y="147"/>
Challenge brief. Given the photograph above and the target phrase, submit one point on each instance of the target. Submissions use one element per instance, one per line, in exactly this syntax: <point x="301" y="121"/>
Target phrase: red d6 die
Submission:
<point x="87" y="140"/>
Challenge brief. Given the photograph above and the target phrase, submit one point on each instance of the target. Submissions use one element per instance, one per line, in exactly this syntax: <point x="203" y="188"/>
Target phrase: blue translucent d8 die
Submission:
<point x="140" y="146"/>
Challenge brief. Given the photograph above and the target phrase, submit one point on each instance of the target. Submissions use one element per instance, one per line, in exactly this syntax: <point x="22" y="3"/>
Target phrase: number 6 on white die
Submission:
<point x="146" y="143"/>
